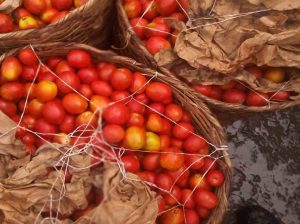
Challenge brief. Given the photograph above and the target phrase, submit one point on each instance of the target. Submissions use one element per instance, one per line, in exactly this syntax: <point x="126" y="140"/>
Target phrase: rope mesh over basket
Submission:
<point x="207" y="126"/>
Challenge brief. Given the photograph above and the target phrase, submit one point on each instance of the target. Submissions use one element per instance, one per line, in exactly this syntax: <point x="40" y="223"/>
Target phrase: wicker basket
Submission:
<point x="203" y="119"/>
<point x="86" y="24"/>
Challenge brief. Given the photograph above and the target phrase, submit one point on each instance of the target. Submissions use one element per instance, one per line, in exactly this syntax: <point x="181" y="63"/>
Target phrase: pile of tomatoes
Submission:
<point x="62" y="100"/>
<point x="236" y="92"/>
<point x="147" y="18"/>
<point x="34" y="14"/>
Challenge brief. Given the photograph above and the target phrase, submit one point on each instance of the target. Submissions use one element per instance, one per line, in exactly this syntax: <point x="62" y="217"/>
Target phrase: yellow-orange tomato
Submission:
<point x="11" y="69"/>
<point x="173" y="160"/>
<point x="78" y="3"/>
<point x="152" y="142"/>
<point x="98" y="102"/>
<point x="46" y="90"/>
<point x="61" y="138"/>
<point x="198" y="181"/>
<point x="35" y="108"/>
<point x="173" y="216"/>
<point x="276" y="75"/>
<point x="86" y="120"/>
<point x="28" y="22"/>
<point x="135" y="138"/>
<point x="49" y="15"/>
<point x="155" y="123"/>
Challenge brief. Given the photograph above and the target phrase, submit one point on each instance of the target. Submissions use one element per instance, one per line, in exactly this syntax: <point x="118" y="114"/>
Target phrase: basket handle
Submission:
<point x="10" y="5"/>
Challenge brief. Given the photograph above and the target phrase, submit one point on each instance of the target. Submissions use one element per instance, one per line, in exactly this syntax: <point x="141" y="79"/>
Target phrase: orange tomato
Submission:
<point x="46" y="91"/>
<point x="135" y="138"/>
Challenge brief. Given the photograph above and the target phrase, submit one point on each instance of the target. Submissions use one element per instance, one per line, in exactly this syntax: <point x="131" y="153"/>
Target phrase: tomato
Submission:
<point x="164" y="182"/>
<point x="20" y="13"/>
<point x="174" y="112"/>
<point x="28" y="22"/>
<point x="133" y="8"/>
<point x="147" y="176"/>
<point x="157" y="30"/>
<point x="174" y="197"/>
<point x="36" y="7"/>
<point x="276" y="75"/>
<point x="120" y="96"/>
<point x="11" y="69"/>
<point x="6" y="23"/>
<point x="79" y="213"/>
<point x="280" y="96"/>
<point x="105" y="70"/>
<point x="47" y="76"/>
<point x="182" y="130"/>
<point x="29" y="139"/>
<point x="53" y="61"/>
<point x="198" y="181"/>
<point x="205" y="198"/>
<point x="191" y="217"/>
<point x="135" y="138"/>
<point x="159" y="92"/>
<point x="138" y="25"/>
<point x="62" y="138"/>
<point x="155" y="44"/>
<point x="167" y="127"/>
<point x="216" y="93"/>
<point x="62" y="5"/>
<point x="46" y="91"/>
<point x="68" y="124"/>
<point x="86" y="91"/>
<point x="35" y="108"/>
<point x="116" y="113"/>
<point x="186" y="116"/>
<point x="179" y="16"/>
<point x="187" y="198"/>
<point x="229" y="85"/>
<point x="113" y="133"/>
<point x="254" y="70"/>
<point x="59" y="16"/>
<point x="29" y="72"/>
<point x="195" y="161"/>
<point x="101" y="88"/>
<point x="12" y="91"/>
<point x="86" y="120"/>
<point x="203" y="89"/>
<point x="8" y="108"/>
<point x="135" y="119"/>
<point x="131" y="163"/>
<point x="99" y="103"/>
<point x="88" y="75"/>
<point x="28" y="121"/>
<point x="152" y="142"/>
<point x="203" y="212"/>
<point x="154" y="123"/>
<point x="151" y="162"/>
<point x="136" y="107"/>
<point x="185" y="4"/>
<point x="138" y="84"/>
<point x="67" y="82"/>
<point x="154" y="108"/>
<point x="149" y="10"/>
<point x="172" y="159"/>
<point x="121" y="79"/>
<point x="173" y="216"/>
<point x="193" y="143"/>
<point x="74" y="104"/>
<point x="21" y="105"/>
<point x="180" y="176"/>
<point x="49" y="14"/>
<point x="209" y="164"/>
<point x="27" y="57"/>
<point x="79" y="58"/>
<point x="176" y="142"/>
<point x="78" y="3"/>
<point x="161" y="204"/>
<point x="257" y="99"/>
<point x="234" y="96"/>
<point x="44" y="128"/>
<point x="215" y="178"/>
<point x="166" y="7"/>
<point x="30" y="149"/>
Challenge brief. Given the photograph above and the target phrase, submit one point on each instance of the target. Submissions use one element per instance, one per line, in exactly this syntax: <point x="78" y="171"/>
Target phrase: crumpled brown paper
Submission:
<point x="227" y="35"/>
<point x="10" y="5"/>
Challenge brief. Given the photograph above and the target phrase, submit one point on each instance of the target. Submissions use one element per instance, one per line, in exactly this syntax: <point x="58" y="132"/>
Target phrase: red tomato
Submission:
<point x="166" y="7"/>
<point x="136" y="107"/>
<point x="121" y="79"/>
<point x="54" y="112"/>
<point x="149" y="10"/>
<point x="6" y="23"/>
<point x="11" y="69"/>
<point x="49" y="14"/>
<point x="86" y="91"/>
<point x="27" y="57"/>
<point x="194" y="161"/>
<point x="122" y="96"/>
<point x="191" y="217"/>
<point x="21" y="105"/>
<point x="86" y="121"/>
<point x="35" y="108"/>
<point x="63" y="66"/>
<point x="159" y="92"/>
<point x="180" y="176"/>
<point x="138" y="25"/>
<point x="98" y="103"/>
<point x="131" y="163"/>
<point x="174" y="112"/>
<point x="28" y="121"/>
<point x="79" y="213"/>
<point x="185" y="4"/>
<point x="74" y="104"/>
<point x="29" y="139"/>
<point x="187" y="198"/>
<point x="154" y="108"/>
<point x="20" y="13"/>
<point x="135" y="119"/>
<point x="117" y="113"/>
<point x="53" y="61"/>
<point x="79" y="58"/>
<point x="173" y="216"/>
<point x="209" y="164"/>
<point x="167" y="127"/>
<point x="215" y="178"/>
<point x="113" y="133"/>
<point x="194" y="143"/>
<point x="280" y="96"/>
<point x="61" y="5"/>
<point x="151" y="162"/>
<point x="147" y="176"/>
<point x="29" y="90"/>
<point x="68" y="124"/>
<point x="176" y="142"/>
<point x="161" y="204"/>
<point x="88" y="75"/>
<point x="142" y="98"/>
<point x="29" y="72"/>
<point x="67" y="82"/>
<point x="257" y="99"/>
<point x="30" y="149"/>
<point x="174" y="197"/>
<point x="44" y="128"/>
<point x="59" y="16"/>
<point x="138" y="84"/>
<point x="198" y="181"/>
<point x="205" y="198"/>
<point x="203" y="212"/>
<point x="105" y="70"/>
<point x="187" y="116"/>
<point x="36" y="7"/>
<point x="164" y="182"/>
<point x="155" y="44"/>
<point x="133" y="8"/>
<point x="8" y="108"/>
<point x="254" y="70"/>
<point x="234" y="96"/>
<point x="46" y="91"/>
<point x="12" y="91"/>
<point x="154" y="123"/>
<point x="101" y="88"/>
<point x="46" y="76"/>
<point x="182" y="130"/>
<point x="157" y="30"/>
<point x="216" y="93"/>
<point x="229" y="85"/>
<point x="205" y="90"/>
<point x="179" y="16"/>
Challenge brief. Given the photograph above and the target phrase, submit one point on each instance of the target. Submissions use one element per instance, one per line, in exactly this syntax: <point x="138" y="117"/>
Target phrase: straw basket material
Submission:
<point x="203" y="119"/>
<point x="86" y="24"/>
